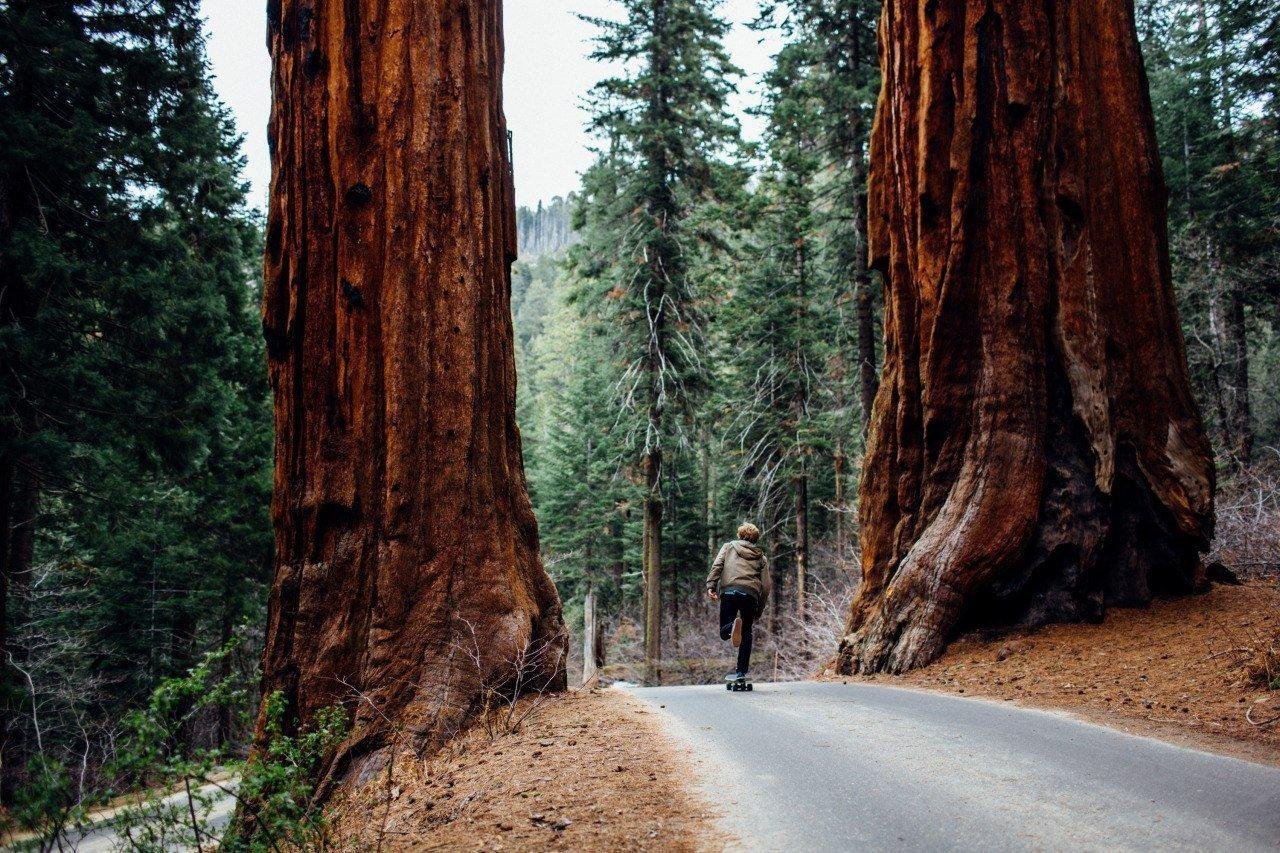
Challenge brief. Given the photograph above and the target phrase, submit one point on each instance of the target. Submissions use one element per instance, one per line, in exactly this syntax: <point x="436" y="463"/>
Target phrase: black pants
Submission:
<point x="733" y="604"/>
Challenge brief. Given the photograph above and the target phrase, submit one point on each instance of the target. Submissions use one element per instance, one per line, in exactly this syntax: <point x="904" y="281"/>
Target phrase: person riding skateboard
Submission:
<point x="741" y="582"/>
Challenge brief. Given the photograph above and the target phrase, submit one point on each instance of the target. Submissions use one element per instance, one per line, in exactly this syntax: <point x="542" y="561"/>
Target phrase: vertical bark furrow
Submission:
<point x="1035" y="452"/>
<point x="408" y="580"/>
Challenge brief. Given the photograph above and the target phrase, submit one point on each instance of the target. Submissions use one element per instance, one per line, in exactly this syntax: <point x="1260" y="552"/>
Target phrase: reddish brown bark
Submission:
<point x="407" y="573"/>
<point x="1035" y="451"/>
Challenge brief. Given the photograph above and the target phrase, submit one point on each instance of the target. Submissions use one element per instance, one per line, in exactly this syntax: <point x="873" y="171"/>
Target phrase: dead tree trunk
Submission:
<point x="802" y="546"/>
<point x="592" y="638"/>
<point x="407" y="568"/>
<point x="652" y="551"/>
<point x="1035" y="451"/>
<point x="1216" y="380"/>
<point x="1238" y="371"/>
<point x="1230" y="364"/>
<point x="673" y="574"/>
<point x="839" y="462"/>
<point x="769" y="544"/>
<point x="617" y="546"/>
<point x="800" y="409"/>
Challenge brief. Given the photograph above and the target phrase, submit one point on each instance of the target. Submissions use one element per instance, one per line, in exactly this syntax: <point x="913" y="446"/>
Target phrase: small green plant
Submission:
<point x="46" y="805"/>
<point x="278" y="784"/>
<point x="183" y="791"/>
<point x="193" y="797"/>
<point x="153" y="747"/>
<point x="175" y="797"/>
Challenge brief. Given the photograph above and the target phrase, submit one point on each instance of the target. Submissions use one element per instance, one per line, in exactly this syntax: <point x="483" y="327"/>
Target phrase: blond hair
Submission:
<point x="749" y="532"/>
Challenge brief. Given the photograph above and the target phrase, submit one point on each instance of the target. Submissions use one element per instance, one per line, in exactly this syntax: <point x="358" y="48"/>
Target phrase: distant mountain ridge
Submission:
<point x="546" y="229"/>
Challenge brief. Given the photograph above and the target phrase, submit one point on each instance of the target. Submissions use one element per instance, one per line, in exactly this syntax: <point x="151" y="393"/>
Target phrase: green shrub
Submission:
<point x="278" y="784"/>
<point x="177" y="797"/>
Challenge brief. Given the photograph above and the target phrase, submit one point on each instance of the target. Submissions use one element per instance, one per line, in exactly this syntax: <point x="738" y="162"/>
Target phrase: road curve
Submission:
<point x="824" y="766"/>
<point x="215" y="805"/>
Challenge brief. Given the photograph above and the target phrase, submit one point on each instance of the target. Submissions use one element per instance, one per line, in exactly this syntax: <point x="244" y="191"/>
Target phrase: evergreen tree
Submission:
<point x="776" y="341"/>
<point x="1206" y="86"/>
<point x="581" y="475"/>
<point x="839" y="38"/>
<point x="666" y="127"/>
<point x="133" y="423"/>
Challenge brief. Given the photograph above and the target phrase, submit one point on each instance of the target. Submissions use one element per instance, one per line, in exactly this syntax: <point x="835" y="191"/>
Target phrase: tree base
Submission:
<point x="1091" y="552"/>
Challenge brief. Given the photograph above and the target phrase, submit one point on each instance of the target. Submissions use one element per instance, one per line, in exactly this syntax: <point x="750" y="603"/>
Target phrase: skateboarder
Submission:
<point x="740" y="581"/>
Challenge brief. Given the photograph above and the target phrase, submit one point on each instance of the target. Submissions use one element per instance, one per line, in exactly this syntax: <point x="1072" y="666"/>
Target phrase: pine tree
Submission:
<point x="665" y="125"/>
<point x="1201" y="59"/>
<point x="839" y="37"/>
<point x="133" y="429"/>
<point x="580" y="470"/>
<point x="776" y="341"/>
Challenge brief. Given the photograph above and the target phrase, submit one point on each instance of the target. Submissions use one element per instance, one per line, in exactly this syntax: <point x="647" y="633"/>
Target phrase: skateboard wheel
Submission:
<point x="750" y="687"/>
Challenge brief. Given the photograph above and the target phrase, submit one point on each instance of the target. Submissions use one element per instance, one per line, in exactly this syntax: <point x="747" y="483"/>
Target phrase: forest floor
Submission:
<point x="590" y="770"/>
<point x="1187" y="670"/>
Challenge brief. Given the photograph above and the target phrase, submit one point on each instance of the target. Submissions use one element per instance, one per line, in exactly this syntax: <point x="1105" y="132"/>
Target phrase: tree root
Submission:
<point x="894" y="639"/>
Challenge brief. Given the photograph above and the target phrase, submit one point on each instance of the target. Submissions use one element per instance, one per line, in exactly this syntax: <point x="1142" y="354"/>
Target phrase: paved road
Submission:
<point x="214" y="812"/>
<point x="860" y="767"/>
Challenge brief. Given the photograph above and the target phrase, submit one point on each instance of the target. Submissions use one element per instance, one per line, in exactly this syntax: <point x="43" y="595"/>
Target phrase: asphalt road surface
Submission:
<point x="860" y="767"/>
<point x="101" y="836"/>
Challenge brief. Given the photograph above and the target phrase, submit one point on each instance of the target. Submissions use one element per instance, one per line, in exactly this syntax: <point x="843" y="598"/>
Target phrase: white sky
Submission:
<point x="547" y="74"/>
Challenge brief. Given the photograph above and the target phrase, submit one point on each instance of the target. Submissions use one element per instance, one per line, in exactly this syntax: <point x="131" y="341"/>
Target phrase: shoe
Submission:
<point x="734" y="677"/>
<point x="736" y="637"/>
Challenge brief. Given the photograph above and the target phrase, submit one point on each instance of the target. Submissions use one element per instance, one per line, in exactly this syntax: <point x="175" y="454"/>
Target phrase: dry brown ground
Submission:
<point x="587" y="771"/>
<point x="592" y="771"/>
<point x="1178" y="670"/>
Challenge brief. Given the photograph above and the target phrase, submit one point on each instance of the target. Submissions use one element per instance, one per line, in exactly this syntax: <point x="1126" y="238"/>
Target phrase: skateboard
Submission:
<point x="739" y="686"/>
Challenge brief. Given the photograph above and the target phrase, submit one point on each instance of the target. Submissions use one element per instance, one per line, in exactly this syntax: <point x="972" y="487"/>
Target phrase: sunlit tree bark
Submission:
<point x="1035" y="452"/>
<point x="408" y="580"/>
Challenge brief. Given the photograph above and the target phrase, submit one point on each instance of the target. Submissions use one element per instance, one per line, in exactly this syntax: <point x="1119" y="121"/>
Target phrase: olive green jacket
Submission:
<point x="742" y="565"/>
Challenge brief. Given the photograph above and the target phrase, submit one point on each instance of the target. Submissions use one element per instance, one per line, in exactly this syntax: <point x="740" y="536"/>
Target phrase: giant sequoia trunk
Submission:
<point x="1035" y="453"/>
<point x="407" y="581"/>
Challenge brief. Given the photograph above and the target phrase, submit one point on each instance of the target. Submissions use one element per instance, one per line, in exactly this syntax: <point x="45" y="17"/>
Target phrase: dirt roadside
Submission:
<point x="1178" y="670"/>
<point x="586" y="771"/>
<point x="592" y="770"/>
